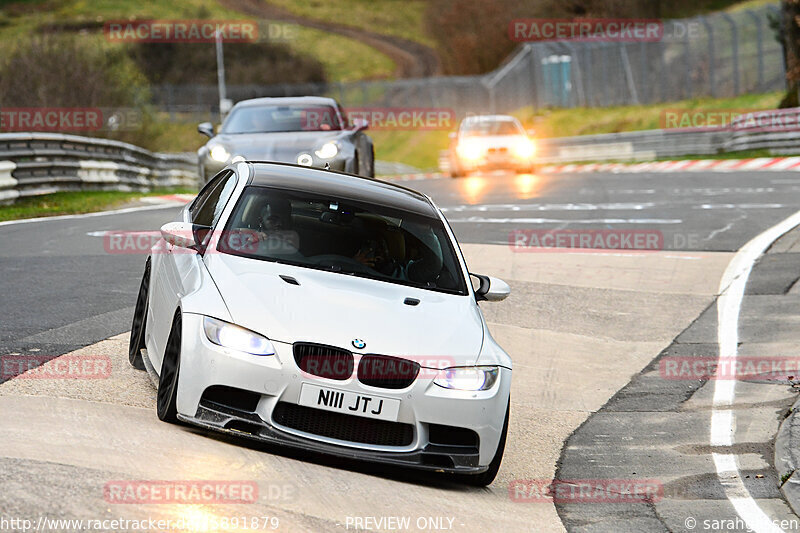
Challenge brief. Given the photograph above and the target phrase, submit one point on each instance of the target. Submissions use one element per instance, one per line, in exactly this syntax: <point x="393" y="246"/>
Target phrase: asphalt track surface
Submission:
<point x="585" y="331"/>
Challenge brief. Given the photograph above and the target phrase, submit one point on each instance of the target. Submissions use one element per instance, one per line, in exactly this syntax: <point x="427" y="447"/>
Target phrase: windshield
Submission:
<point x="280" y="118"/>
<point x="491" y="127"/>
<point x="340" y="235"/>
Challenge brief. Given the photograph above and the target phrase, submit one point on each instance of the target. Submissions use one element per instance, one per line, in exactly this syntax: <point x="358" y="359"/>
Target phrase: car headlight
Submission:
<point x="471" y="378"/>
<point x="523" y="148"/>
<point x="470" y="149"/>
<point x="328" y="151"/>
<point x="219" y="153"/>
<point x="236" y="338"/>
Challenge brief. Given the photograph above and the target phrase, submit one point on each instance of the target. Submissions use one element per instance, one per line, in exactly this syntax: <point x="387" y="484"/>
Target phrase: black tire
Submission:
<point x="167" y="398"/>
<point x="139" y="321"/>
<point x="485" y="478"/>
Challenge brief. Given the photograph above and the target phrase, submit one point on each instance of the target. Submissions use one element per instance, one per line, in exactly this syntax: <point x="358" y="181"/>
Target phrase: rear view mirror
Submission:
<point x="181" y="234"/>
<point x="491" y="289"/>
<point x="206" y="128"/>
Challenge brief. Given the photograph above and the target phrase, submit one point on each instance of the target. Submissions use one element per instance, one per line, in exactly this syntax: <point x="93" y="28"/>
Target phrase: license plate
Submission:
<point x="350" y="403"/>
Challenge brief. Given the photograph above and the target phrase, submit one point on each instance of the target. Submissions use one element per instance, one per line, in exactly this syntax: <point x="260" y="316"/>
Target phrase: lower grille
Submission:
<point x="230" y="397"/>
<point x="342" y="427"/>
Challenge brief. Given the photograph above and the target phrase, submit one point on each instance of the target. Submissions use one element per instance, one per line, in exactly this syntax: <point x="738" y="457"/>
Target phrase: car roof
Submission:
<point x="286" y="100"/>
<point x="339" y="185"/>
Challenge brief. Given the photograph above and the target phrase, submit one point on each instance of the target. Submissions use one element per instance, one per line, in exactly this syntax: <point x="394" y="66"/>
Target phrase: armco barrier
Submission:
<point x="631" y="145"/>
<point x="8" y="185"/>
<point x="778" y="132"/>
<point x="42" y="163"/>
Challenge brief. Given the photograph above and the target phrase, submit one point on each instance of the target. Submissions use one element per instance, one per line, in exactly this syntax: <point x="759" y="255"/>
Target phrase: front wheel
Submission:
<point x="139" y="322"/>
<point x="485" y="478"/>
<point x="167" y="398"/>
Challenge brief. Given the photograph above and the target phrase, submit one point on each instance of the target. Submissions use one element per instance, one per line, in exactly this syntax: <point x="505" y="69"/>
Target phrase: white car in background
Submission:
<point x="491" y="142"/>
<point x="327" y="312"/>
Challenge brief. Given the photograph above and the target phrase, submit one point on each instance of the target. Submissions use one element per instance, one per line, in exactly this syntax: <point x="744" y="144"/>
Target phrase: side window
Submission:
<point x="200" y="200"/>
<point x="211" y="202"/>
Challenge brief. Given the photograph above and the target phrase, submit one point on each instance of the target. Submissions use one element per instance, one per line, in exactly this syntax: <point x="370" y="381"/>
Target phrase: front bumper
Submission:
<point x="277" y="380"/>
<point x="433" y="457"/>
<point x="500" y="161"/>
<point x="343" y="164"/>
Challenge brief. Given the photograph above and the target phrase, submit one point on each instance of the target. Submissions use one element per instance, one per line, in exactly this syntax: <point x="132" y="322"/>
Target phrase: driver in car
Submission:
<point x="374" y="253"/>
<point x="274" y="233"/>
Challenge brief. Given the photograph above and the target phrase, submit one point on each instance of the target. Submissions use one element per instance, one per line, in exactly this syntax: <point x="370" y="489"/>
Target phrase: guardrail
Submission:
<point x="43" y="163"/>
<point x="775" y="130"/>
<point x="632" y="145"/>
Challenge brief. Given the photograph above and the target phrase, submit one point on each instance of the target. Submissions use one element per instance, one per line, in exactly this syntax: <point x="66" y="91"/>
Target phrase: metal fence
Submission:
<point x="724" y="54"/>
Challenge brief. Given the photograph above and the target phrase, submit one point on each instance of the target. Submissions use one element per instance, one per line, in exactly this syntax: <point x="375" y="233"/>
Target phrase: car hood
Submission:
<point x="334" y="309"/>
<point x="282" y="147"/>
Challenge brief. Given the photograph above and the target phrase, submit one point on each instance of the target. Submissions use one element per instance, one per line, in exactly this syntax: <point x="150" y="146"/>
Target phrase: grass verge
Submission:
<point x="78" y="202"/>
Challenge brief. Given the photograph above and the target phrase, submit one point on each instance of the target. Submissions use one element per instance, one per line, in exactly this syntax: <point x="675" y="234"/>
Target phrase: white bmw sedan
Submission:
<point x="327" y="312"/>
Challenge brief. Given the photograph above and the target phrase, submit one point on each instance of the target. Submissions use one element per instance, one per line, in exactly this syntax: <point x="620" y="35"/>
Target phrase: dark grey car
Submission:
<point x="310" y="131"/>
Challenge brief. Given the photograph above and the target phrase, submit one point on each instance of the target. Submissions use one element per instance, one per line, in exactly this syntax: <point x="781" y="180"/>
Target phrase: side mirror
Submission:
<point x="360" y="124"/>
<point x="181" y="234"/>
<point x="491" y="289"/>
<point x="206" y="128"/>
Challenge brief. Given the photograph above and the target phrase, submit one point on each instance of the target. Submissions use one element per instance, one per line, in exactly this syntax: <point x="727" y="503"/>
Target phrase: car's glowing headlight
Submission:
<point x="236" y="338"/>
<point x="523" y="148"/>
<point x="470" y="149"/>
<point x="219" y="153"/>
<point x="471" y="378"/>
<point x="328" y="151"/>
